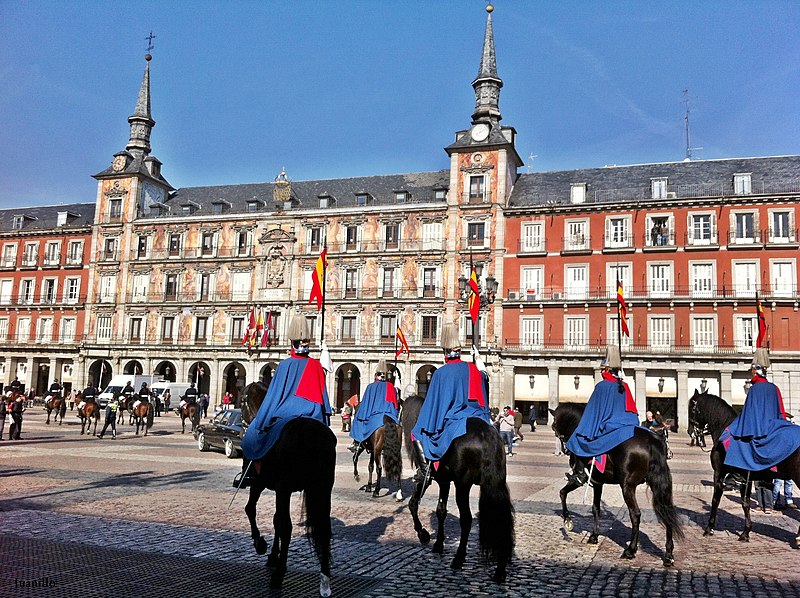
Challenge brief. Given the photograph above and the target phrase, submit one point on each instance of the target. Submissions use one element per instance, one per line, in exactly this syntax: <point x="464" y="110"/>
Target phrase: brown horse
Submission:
<point x="57" y="404"/>
<point x="90" y="411"/>
<point x="191" y="412"/>
<point x="143" y="416"/>
<point x="383" y="446"/>
<point x="126" y="404"/>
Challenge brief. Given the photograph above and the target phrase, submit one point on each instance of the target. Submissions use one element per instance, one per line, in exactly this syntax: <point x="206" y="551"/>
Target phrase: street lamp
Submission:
<point x="429" y="375"/>
<point x="532" y="380"/>
<point x="703" y="386"/>
<point x="661" y="384"/>
<point x="577" y="381"/>
<point x="747" y="386"/>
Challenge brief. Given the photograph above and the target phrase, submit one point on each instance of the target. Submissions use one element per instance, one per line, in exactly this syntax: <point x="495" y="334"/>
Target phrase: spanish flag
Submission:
<point x="250" y="332"/>
<point x="474" y="301"/>
<point x="622" y="309"/>
<point x="762" y="324"/>
<point x="401" y="339"/>
<point x="318" y="279"/>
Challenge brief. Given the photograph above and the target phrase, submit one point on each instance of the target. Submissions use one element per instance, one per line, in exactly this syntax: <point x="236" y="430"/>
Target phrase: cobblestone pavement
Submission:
<point x="149" y="516"/>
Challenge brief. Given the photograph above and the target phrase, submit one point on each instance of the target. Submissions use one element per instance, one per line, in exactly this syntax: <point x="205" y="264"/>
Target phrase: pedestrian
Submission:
<point x="17" y="409"/>
<point x="347" y="414"/>
<point x="72" y="395"/>
<point x="788" y="502"/>
<point x="764" y="496"/>
<point x="532" y="417"/>
<point x="167" y="399"/>
<point x="226" y="401"/>
<point x="506" y="421"/>
<point x="111" y="417"/>
<point x="16" y="386"/>
<point x="517" y="415"/>
<point x="202" y="404"/>
<point x="31" y="397"/>
<point x="3" y="411"/>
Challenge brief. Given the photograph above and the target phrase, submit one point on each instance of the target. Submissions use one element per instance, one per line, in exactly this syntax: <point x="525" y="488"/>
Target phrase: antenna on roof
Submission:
<point x="689" y="148"/>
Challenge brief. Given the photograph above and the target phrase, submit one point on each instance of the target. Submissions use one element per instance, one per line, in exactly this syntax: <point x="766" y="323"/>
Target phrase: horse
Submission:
<point x="303" y="460"/>
<point x="58" y="404"/>
<point x="89" y="411"/>
<point x="191" y="412"/>
<point x="711" y="410"/>
<point x="126" y="404"/>
<point x="640" y="459"/>
<point x="477" y="458"/>
<point x="383" y="446"/>
<point x="143" y="416"/>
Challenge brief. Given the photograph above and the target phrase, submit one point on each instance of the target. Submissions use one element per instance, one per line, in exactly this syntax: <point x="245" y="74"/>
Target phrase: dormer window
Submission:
<point x="17" y="222"/>
<point x="742" y="183"/>
<point x="363" y="199"/>
<point x="658" y="188"/>
<point x="326" y="201"/>
<point x="64" y="218"/>
<point x="189" y="208"/>
<point x="401" y="196"/>
<point x="577" y="193"/>
<point x="220" y="207"/>
<point x="440" y="194"/>
<point x="254" y="205"/>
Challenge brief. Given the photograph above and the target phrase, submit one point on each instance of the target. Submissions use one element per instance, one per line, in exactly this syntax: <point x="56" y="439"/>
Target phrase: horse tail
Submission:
<point x="408" y="419"/>
<point x="318" y="487"/>
<point x="659" y="478"/>
<point x="392" y="457"/>
<point x="62" y="411"/>
<point x="149" y="416"/>
<point x="496" y="513"/>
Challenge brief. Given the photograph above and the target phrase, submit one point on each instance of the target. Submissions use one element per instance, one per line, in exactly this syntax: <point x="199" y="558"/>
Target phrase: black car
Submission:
<point x="224" y="431"/>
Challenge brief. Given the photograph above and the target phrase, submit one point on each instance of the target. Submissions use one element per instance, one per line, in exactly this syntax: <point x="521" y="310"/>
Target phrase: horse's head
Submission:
<point x="250" y="400"/>
<point x="566" y="418"/>
<point x="709" y="410"/>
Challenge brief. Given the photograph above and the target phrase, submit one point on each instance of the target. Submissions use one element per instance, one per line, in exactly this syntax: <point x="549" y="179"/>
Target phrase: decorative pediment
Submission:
<point x="116" y="190"/>
<point x="277" y="235"/>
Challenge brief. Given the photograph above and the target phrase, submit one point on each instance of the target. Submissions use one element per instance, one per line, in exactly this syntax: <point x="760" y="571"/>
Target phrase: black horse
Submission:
<point x="710" y="410"/>
<point x="384" y="448"/>
<point x="303" y="460"/>
<point x="640" y="459"/>
<point x="477" y="458"/>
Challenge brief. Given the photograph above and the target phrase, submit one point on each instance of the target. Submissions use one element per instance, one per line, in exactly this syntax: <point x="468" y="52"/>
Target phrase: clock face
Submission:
<point x="119" y="163"/>
<point x="480" y="132"/>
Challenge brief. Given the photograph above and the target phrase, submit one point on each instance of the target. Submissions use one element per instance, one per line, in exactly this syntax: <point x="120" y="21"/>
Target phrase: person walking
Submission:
<point x="517" y="415"/>
<point x="506" y="421"/>
<point x="3" y="412"/>
<point x="532" y="417"/>
<point x="111" y="417"/>
<point x="17" y="408"/>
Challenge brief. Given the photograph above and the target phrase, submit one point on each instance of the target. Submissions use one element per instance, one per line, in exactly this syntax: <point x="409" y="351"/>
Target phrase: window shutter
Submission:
<point x="714" y="232"/>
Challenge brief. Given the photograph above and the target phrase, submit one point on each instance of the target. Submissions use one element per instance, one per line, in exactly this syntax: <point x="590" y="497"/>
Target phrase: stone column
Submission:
<point x="79" y="373"/>
<point x="54" y="373"/>
<point x="507" y="398"/>
<point x="725" y="384"/>
<point x="683" y="399"/>
<point x="640" y="376"/>
<point x="552" y="398"/>
<point x="31" y="373"/>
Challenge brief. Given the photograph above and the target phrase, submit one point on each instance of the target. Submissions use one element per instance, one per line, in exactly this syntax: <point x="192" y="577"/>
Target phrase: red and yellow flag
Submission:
<point x="474" y="301"/>
<point x="622" y="309"/>
<point x="762" y="324"/>
<point x="250" y="332"/>
<point x="401" y="339"/>
<point x="267" y="330"/>
<point x="318" y="279"/>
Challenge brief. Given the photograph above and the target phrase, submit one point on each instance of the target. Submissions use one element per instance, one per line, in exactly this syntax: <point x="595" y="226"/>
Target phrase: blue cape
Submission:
<point x="760" y="437"/>
<point x="605" y="423"/>
<point x="280" y="406"/>
<point x="373" y="407"/>
<point x="447" y="406"/>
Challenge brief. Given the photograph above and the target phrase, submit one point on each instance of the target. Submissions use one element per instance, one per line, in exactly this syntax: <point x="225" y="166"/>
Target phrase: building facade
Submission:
<point x="171" y="277"/>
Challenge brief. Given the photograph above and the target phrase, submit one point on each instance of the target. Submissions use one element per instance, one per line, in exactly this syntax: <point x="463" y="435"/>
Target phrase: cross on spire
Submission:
<point x="150" y="39"/>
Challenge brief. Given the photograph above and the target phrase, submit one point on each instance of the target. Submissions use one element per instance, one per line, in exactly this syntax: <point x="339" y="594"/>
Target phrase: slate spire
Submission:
<point x="141" y="122"/>
<point x="487" y="84"/>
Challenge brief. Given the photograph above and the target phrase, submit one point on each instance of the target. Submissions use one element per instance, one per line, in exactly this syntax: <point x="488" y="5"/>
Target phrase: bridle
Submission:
<point x="698" y="431"/>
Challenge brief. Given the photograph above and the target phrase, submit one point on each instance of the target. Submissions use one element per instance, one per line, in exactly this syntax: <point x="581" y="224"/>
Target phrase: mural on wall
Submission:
<point x="220" y="325"/>
<point x="185" y="328"/>
<point x="223" y="282"/>
<point x="370" y="280"/>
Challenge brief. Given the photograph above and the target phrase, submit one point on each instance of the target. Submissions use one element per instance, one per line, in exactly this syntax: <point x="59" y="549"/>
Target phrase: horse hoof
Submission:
<point x="438" y="548"/>
<point x="272" y="560"/>
<point x="424" y="536"/>
<point x="324" y="585"/>
<point x="744" y="538"/>
<point x="260" y="545"/>
<point x="668" y="561"/>
<point x="592" y="539"/>
<point x="457" y="564"/>
<point x="568" y="524"/>
<point x="627" y="554"/>
<point x="499" y="576"/>
<point x="357" y="478"/>
<point x="708" y="532"/>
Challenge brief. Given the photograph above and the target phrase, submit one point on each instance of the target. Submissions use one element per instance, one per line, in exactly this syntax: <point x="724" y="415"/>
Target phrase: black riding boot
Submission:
<point x="245" y="478"/>
<point x="578" y="476"/>
<point x="733" y="481"/>
<point x="423" y="464"/>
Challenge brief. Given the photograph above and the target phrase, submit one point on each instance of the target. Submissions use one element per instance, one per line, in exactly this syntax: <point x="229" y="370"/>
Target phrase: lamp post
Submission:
<point x="661" y="384"/>
<point x="703" y="386"/>
<point x="576" y="381"/>
<point x="486" y="295"/>
<point x="532" y="380"/>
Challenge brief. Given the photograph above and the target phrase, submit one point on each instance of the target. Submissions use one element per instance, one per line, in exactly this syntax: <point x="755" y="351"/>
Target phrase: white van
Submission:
<point x="176" y="391"/>
<point x="117" y="383"/>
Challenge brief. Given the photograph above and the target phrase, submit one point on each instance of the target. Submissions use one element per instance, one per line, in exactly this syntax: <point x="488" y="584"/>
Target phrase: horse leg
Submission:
<point x="712" y="517"/>
<point x="629" y="494"/>
<point x="748" y="524"/>
<point x="256" y="489"/>
<point x="465" y="519"/>
<point x="568" y="524"/>
<point x="370" y="468"/>
<point x="283" y="529"/>
<point x="413" y="506"/>
<point x="356" y="476"/>
<point x="441" y="515"/>
<point x="597" y="494"/>
<point x="48" y="417"/>
<point x="183" y="423"/>
<point x="378" y="472"/>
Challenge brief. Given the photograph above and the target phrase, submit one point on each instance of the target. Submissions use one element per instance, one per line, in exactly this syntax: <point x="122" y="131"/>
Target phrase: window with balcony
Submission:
<point x="660" y="279"/>
<point x="744" y="229"/>
<point x="703" y="333"/>
<point x="115" y="208"/>
<point x="388" y="329"/>
<point x="201" y="330"/>
<point x="742" y="183"/>
<point x="617" y="272"/>
<point x="26" y="290"/>
<point x="72" y="287"/>
<point x="3" y="329"/>
<point x="243" y="243"/>
<point x="618" y="232"/>
<point x="139" y="288"/>
<point x="476" y="234"/>
<point x="135" y="331"/>
<point x="702" y="279"/>
<point x="469" y="327"/>
<point x="67" y="330"/>
<point x="577" y="193"/>
<point x="351" y="238"/>
<point x="429" y="282"/>
<point x="575" y="332"/>
<point x="6" y="291"/>
<point x="745" y="332"/>
<point x="204" y="287"/>
<point x="783" y="278"/>
<point x="311" y="322"/>
<point x="531" y="332"/>
<point x="237" y="331"/>
<point x="141" y="247"/>
<point x="174" y="244"/>
<point x="108" y="288"/>
<point x="75" y="253"/>
<point x="104" y="328"/>
<point x="168" y="329"/>
<point x="392" y="235"/>
<point x="430" y="326"/>
<point x="29" y="254"/>
<point x="207" y="244"/>
<point x="350" y="283"/>
<point x="170" y="287"/>
<point x="658" y="188"/>
<point x="52" y="254"/>
<point x="576" y="281"/>
<point x="532" y="278"/>
<point x="348" y="329"/>
<point x="315" y="239"/>
<point x="432" y="236"/>
<point x="23" y="334"/>
<point x="48" y="291"/>
<point x="44" y="330"/>
<point x="746" y="279"/>
<point x="9" y="256"/>
<point x="614" y="329"/>
<point x="477" y="188"/>
<point x="388" y="286"/>
<point x="660" y="333"/>
<point x="659" y="231"/>
<point x="532" y="237"/>
<point x="781" y="227"/>
<point x="702" y="229"/>
<point x="577" y="235"/>
<point x="110" y="249"/>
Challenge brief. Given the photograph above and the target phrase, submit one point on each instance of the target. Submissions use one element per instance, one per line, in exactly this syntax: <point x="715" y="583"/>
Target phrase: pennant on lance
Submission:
<point x="622" y="309"/>
<point x="401" y="339"/>
<point x="762" y="324"/>
<point x="318" y="280"/>
<point x="474" y="297"/>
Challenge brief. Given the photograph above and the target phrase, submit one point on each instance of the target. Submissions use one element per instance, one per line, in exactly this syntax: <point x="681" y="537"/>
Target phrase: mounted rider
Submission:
<point x="128" y="392"/>
<point x="457" y="391"/>
<point x="89" y="394"/>
<point x="610" y="418"/>
<point x="55" y="389"/>
<point x="761" y="436"/>
<point x="189" y="397"/>
<point x="143" y="396"/>
<point x="297" y="390"/>
<point x="380" y="398"/>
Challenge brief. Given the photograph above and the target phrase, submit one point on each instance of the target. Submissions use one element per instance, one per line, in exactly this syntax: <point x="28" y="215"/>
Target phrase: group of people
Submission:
<point x="11" y="407"/>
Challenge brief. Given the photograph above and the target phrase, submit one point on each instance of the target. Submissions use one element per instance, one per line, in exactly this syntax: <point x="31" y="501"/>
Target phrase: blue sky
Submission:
<point x="334" y="88"/>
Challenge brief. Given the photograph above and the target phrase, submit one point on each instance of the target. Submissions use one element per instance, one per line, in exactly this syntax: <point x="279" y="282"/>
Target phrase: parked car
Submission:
<point x="223" y="431"/>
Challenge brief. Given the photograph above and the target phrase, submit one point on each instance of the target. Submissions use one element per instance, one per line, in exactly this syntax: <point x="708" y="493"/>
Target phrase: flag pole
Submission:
<point x="324" y="281"/>
<point x="478" y="299"/>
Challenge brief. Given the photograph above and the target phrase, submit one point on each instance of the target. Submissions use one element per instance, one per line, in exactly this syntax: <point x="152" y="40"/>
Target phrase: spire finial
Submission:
<point x="488" y="83"/>
<point x="150" y="46"/>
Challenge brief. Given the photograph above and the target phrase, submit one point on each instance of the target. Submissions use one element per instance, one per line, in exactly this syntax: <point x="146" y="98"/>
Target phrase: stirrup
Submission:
<point x="733" y="481"/>
<point x="245" y="483"/>
<point x="577" y="479"/>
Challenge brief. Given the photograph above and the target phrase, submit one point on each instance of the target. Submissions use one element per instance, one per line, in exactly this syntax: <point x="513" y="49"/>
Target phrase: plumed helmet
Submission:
<point x="450" y="336"/>
<point x="612" y="358"/>
<point x="381" y="368"/>
<point x="761" y="358"/>
<point x="298" y="329"/>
